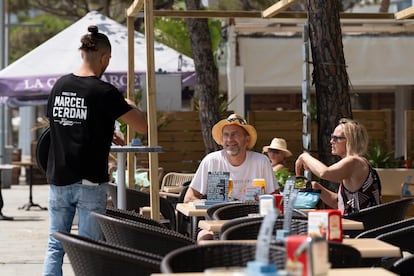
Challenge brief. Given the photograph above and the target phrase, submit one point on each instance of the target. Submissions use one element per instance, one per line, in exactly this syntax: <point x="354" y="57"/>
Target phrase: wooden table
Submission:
<point x="189" y="210"/>
<point x="366" y="271"/>
<point x="215" y="225"/>
<point x="369" y="248"/>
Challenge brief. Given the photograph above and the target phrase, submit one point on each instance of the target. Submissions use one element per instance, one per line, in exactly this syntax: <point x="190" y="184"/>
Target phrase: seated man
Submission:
<point x="244" y="165"/>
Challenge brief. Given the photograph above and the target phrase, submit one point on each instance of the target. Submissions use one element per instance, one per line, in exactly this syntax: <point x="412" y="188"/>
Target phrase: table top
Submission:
<point x="215" y="225"/>
<point x="7" y="166"/>
<point x="369" y="248"/>
<point x="136" y="149"/>
<point x="190" y="210"/>
<point x="23" y="163"/>
<point x="366" y="271"/>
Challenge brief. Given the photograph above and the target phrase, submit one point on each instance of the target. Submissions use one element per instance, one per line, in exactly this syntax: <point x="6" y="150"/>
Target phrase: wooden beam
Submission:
<point x="405" y="13"/>
<point x="135" y="7"/>
<point x="346" y="29"/>
<point x="256" y="14"/>
<point x="130" y="95"/>
<point x="207" y="14"/>
<point x="278" y="7"/>
<point x="152" y="109"/>
<point x="366" y="15"/>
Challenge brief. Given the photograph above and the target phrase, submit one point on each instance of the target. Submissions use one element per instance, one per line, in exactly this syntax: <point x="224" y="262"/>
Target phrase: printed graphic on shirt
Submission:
<point x="69" y="109"/>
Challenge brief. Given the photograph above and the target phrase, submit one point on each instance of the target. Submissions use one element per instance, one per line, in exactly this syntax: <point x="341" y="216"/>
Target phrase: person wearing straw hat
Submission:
<point x="277" y="152"/>
<point x="237" y="138"/>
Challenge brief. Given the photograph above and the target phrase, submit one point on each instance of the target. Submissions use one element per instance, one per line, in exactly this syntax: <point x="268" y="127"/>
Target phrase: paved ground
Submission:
<point x="23" y="241"/>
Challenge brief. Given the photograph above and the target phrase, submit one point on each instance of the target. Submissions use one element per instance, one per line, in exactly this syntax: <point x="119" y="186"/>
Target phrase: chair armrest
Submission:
<point x="173" y="189"/>
<point x="165" y="194"/>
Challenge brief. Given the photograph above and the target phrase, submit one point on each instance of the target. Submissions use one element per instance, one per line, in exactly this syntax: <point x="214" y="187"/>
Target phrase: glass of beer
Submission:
<point x="230" y="187"/>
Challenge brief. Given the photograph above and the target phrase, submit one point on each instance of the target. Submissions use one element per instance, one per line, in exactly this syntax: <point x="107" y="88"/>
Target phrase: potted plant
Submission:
<point x="392" y="171"/>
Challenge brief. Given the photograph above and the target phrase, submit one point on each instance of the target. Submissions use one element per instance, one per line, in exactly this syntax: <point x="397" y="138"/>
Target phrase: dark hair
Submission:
<point x="94" y="40"/>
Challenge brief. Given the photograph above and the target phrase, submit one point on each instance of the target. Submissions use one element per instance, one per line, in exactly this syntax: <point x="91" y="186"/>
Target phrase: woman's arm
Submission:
<point x="343" y="169"/>
<point x="327" y="196"/>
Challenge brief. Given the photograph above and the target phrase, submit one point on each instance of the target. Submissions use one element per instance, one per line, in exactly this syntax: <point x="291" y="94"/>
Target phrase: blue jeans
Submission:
<point x="63" y="203"/>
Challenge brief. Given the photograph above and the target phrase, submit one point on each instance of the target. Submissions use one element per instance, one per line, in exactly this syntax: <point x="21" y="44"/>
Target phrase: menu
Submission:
<point x="217" y="186"/>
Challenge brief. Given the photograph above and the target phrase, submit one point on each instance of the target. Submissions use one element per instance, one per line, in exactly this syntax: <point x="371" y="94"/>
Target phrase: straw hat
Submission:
<point x="234" y="119"/>
<point x="278" y="144"/>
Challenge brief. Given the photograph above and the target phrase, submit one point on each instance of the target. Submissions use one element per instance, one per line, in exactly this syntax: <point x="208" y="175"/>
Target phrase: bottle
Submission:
<point x="118" y="130"/>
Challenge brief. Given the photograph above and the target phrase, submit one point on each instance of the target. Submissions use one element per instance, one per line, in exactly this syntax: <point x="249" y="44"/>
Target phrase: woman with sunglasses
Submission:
<point x="359" y="184"/>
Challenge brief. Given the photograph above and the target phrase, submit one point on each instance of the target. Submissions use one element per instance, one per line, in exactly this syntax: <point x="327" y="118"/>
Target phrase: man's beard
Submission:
<point x="234" y="152"/>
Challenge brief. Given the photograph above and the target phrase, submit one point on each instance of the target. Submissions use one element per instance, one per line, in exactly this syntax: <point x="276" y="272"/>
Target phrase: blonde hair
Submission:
<point x="356" y="137"/>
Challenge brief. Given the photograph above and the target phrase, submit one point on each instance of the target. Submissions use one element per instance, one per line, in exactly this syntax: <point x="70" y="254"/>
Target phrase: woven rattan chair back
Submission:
<point x="404" y="266"/>
<point x="379" y="215"/>
<point x="131" y="215"/>
<point x="249" y="229"/>
<point x="375" y="232"/>
<point x="213" y="208"/>
<point x="141" y="236"/>
<point x="343" y="256"/>
<point x="137" y="199"/>
<point x="98" y="258"/>
<point x="200" y="257"/>
<point x="238" y="210"/>
<point x="175" y="179"/>
<point x="402" y="238"/>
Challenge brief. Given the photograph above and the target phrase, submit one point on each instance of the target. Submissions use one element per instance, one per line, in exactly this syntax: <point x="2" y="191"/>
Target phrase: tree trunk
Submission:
<point x="329" y="72"/>
<point x="207" y="87"/>
<point x="385" y="5"/>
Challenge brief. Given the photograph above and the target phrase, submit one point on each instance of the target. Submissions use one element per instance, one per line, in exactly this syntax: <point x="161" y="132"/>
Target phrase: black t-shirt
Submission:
<point x="82" y="112"/>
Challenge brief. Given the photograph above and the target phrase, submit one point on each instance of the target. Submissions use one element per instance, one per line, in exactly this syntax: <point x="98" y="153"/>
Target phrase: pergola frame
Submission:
<point x="274" y="12"/>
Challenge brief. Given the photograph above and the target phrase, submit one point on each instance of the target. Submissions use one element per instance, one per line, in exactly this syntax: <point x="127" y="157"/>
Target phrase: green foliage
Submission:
<point x="378" y="158"/>
<point x="174" y="33"/>
<point x="281" y="176"/>
<point x="223" y="104"/>
<point x="24" y="38"/>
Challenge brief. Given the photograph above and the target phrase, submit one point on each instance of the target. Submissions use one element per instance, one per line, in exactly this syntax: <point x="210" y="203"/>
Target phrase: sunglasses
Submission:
<point x="241" y="121"/>
<point x="336" y="138"/>
<point x="274" y="151"/>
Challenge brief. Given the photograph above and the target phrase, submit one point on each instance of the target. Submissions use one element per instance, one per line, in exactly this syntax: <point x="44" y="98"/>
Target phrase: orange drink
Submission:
<point x="260" y="182"/>
<point x="230" y="187"/>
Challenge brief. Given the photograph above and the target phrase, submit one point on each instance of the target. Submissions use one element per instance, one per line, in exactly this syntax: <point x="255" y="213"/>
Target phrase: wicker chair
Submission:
<point x="197" y="258"/>
<point x="402" y="238"/>
<point x="373" y="233"/>
<point x="137" y="199"/>
<point x="343" y="256"/>
<point x="213" y="208"/>
<point x="131" y="215"/>
<point x="98" y="258"/>
<point x="379" y="215"/>
<point x="248" y="228"/>
<point x="238" y="210"/>
<point x="141" y="236"/>
<point x="172" y="183"/>
<point x="404" y="266"/>
<point x="236" y="221"/>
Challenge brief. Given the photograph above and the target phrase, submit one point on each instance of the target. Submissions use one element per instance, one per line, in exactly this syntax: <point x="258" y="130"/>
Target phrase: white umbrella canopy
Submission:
<point x="34" y="74"/>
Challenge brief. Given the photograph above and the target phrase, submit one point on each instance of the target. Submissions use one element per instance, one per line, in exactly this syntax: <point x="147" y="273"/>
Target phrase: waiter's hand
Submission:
<point x="118" y="140"/>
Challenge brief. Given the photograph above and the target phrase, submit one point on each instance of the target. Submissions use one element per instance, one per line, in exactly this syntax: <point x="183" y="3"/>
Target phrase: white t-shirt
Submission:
<point x="256" y="165"/>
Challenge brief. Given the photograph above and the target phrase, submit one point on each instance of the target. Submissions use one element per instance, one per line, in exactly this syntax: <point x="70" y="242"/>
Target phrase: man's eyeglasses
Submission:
<point x="337" y="138"/>
<point x="241" y="121"/>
